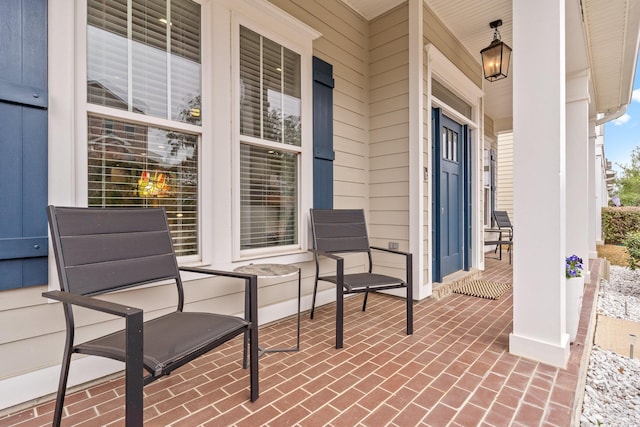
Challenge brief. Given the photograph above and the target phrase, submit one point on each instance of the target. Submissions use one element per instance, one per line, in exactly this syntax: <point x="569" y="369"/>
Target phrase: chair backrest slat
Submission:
<point x="102" y="250"/>
<point x="339" y="230"/>
<point x="502" y="219"/>
<point x="97" y="278"/>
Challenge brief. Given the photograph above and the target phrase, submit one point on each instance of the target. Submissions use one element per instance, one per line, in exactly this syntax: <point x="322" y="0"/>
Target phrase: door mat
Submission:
<point x="483" y="289"/>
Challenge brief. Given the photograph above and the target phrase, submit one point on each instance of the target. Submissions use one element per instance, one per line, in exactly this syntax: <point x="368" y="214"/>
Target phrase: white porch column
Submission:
<point x="421" y="289"/>
<point x="578" y="166"/>
<point x="594" y="197"/>
<point x="601" y="185"/>
<point x="539" y="165"/>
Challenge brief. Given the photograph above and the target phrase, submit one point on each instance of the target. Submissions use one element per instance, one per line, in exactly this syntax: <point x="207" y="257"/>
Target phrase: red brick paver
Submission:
<point x="454" y="370"/>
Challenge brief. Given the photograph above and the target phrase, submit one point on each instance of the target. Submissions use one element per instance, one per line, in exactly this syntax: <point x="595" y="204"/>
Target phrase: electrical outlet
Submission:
<point x="394" y="245"/>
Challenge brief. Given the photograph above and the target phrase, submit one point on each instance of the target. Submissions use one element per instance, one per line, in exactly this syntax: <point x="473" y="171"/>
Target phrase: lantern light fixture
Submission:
<point x="496" y="56"/>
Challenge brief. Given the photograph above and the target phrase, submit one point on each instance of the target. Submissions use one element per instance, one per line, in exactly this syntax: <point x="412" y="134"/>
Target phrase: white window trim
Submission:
<point x="84" y="108"/>
<point x="222" y="238"/>
<point x="302" y="46"/>
<point x="68" y="118"/>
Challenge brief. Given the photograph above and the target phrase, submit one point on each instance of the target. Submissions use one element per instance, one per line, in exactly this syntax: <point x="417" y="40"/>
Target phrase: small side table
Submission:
<point x="273" y="271"/>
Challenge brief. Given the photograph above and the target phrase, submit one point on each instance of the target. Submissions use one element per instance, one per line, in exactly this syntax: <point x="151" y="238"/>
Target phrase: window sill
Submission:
<point x="287" y="258"/>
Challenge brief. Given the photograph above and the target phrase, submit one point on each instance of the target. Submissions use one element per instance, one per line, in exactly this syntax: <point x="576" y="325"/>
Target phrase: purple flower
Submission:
<point x="573" y="266"/>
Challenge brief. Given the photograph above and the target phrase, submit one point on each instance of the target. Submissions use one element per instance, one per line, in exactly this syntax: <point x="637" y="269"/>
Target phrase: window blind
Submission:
<point x="270" y="100"/>
<point x="144" y="56"/>
<point x="131" y="164"/>
<point x="268" y="197"/>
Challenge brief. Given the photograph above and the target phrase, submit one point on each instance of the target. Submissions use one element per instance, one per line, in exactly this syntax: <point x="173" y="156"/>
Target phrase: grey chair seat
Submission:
<point x="364" y="281"/>
<point x="170" y="338"/>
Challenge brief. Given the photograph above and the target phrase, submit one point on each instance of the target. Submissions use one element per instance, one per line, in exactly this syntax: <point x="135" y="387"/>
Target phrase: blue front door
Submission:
<point x="449" y="157"/>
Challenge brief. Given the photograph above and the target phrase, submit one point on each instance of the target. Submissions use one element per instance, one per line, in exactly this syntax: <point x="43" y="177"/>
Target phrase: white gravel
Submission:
<point x="612" y="391"/>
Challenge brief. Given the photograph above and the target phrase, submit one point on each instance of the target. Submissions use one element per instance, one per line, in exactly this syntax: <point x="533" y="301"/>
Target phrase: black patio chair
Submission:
<point x="342" y="231"/>
<point x="99" y="251"/>
<point x="502" y="221"/>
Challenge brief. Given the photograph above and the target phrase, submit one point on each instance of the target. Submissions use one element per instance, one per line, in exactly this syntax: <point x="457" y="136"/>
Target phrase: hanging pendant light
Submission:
<point x="496" y="56"/>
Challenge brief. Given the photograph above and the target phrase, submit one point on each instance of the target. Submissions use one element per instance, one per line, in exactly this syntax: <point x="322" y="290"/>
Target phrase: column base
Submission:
<point x="544" y="352"/>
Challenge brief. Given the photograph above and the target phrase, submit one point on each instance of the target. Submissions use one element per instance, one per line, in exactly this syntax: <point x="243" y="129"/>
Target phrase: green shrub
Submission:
<point x="632" y="242"/>
<point x="617" y="222"/>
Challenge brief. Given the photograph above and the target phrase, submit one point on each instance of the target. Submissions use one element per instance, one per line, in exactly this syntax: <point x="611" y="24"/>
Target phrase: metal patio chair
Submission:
<point x="502" y="221"/>
<point x="342" y="231"/>
<point x="99" y="251"/>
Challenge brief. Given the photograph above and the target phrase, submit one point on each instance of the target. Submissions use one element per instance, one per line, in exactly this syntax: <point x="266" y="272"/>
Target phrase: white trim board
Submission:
<point x="37" y="385"/>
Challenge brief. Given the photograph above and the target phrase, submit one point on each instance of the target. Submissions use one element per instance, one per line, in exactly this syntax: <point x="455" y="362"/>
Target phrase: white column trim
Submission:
<point x="592" y="193"/>
<point x="539" y="164"/>
<point x="578" y="86"/>
<point x="416" y="140"/>
<point x="578" y="165"/>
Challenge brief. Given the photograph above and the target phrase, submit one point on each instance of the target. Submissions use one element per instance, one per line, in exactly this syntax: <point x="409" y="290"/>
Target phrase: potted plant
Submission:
<point x="574" y="292"/>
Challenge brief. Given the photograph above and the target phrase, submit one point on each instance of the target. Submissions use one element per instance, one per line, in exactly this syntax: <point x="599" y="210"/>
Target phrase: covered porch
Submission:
<point x="455" y="369"/>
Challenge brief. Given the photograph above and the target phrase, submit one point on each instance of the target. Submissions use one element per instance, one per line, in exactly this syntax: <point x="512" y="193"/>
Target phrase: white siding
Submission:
<point x="504" y="174"/>
<point x="389" y="134"/>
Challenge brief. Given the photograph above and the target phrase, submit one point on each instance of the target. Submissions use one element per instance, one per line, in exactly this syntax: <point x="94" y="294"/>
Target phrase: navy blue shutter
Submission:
<point x="23" y="143"/>
<point x="323" y="154"/>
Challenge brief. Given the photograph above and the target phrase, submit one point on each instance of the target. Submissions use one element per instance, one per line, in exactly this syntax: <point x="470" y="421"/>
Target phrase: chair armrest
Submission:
<point x="392" y="251"/>
<point x="217" y="272"/>
<point x="251" y="288"/>
<point x="92" y="303"/>
<point x="409" y="262"/>
<point x="338" y="259"/>
<point x="494" y="230"/>
<point x="133" y="335"/>
<point x="328" y="255"/>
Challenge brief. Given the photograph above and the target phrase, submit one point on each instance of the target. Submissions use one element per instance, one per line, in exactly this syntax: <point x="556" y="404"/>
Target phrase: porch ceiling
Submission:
<point x="611" y="29"/>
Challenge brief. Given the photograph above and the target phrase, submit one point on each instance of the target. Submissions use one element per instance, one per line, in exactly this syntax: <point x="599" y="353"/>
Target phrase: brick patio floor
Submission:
<point x="455" y="370"/>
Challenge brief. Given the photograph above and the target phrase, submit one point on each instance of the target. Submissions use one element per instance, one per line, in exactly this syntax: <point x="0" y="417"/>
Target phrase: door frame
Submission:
<point x="439" y="67"/>
<point x="463" y="193"/>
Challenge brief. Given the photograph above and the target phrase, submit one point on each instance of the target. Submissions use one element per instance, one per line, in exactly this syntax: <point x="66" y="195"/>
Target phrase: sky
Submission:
<point x="622" y="135"/>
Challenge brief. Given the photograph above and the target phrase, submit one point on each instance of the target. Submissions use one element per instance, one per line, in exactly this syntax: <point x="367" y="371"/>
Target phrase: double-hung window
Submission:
<point x="203" y="108"/>
<point x="144" y="109"/>
<point x="270" y="135"/>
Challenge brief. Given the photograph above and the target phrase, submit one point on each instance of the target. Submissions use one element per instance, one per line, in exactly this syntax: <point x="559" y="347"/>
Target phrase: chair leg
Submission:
<point x="339" y="316"/>
<point x="62" y="386"/>
<point x="339" y="303"/>
<point x="499" y="245"/>
<point x="409" y="310"/>
<point x="134" y="366"/>
<point x="254" y="356"/>
<point x="409" y="268"/>
<point x="244" y="350"/>
<point x="313" y="300"/>
<point x="364" y="303"/>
